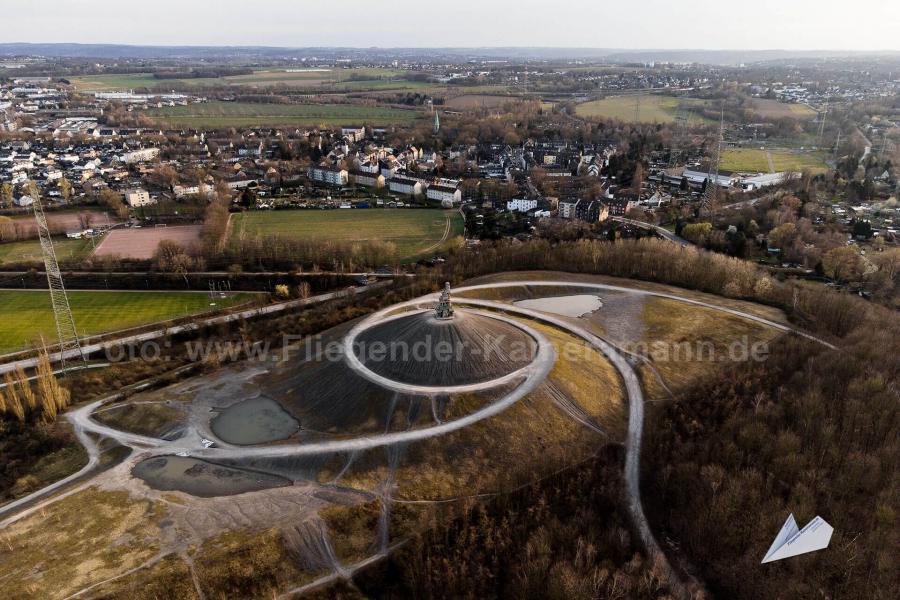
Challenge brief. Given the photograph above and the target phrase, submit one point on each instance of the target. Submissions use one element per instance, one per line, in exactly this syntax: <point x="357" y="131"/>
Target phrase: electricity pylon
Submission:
<point x="712" y="172"/>
<point x="62" y="312"/>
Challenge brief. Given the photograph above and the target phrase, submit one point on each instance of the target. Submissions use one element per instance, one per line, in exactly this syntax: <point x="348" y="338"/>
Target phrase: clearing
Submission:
<point x="414" y="231"/>
<point x="26" y="315"/>
<point x="246" y="114"/>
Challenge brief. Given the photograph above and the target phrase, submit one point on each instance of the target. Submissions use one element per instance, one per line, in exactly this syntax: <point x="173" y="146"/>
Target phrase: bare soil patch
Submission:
<point x="142" y="243"/>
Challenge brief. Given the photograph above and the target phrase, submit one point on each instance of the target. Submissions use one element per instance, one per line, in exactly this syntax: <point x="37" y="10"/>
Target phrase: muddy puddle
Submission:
<point x="201" y="478"/>
<point x="255" y="421"/>
<point x="577" y="305"/>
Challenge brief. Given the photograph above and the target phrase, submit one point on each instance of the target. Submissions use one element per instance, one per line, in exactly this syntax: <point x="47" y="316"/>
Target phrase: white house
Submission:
<point x="138" y="156"/>
<point x="402" y="185"/>
<point x="329" y="176"/>
<point x="444" y="193"/>
<point x="24" y="201"/>
<point x="521" y="204"/>
<point x="375" y="180"/>
<point x="138" y="197"/>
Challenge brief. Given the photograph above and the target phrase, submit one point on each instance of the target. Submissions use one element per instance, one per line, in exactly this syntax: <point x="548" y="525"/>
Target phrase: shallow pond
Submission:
<point x="201" y="478"/>
<point x="255" y="421"/>
<point x="567" y="306"/>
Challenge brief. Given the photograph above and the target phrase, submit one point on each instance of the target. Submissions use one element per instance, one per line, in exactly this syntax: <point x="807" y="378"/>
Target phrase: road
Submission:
<point x="662" y="231"/>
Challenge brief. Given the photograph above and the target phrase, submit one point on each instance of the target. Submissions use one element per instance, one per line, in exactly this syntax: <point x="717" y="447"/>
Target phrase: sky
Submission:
<point x="641" y="24"/>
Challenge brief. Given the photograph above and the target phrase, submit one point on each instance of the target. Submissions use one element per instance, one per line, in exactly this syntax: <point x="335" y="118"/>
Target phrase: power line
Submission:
<point x="62" y="312"/>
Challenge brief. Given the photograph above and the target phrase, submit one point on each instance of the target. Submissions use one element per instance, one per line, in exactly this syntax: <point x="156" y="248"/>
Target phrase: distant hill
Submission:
<point x="722" y="57"/>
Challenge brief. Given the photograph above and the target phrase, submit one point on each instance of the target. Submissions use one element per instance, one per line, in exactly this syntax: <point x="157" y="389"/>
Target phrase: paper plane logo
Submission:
<point x="793" y="541"/>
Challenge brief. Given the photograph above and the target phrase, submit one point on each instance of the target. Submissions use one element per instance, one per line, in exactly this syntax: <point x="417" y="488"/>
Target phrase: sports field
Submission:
<point x="30" y="251"/>
<point x="653" y="108"/>
<point x="415" y="231"/>
<point x="26" y="315"/>
<point x="244" y="114"/>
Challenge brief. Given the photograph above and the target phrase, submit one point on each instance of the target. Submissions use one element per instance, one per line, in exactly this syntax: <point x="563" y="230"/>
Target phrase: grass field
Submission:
<point x="653" y="108"/>
<point x="744" y="159"/>
<point x="798" y="161"/>
<point x="30" y="251"/>
<point x="757" y="160"/>
<point x="244" y="114"/>
<point x="26" y="315"/>
<point x="415" y="231"/>
<point x="263" y="77"/>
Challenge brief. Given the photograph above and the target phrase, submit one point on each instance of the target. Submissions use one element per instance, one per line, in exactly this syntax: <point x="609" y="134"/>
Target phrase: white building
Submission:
<point x="444" y="193"/>
<point x="521" y="205"/>
<point x="138" y="197"/>
<point x="138" y="156"/>
<point x="24" y="201"/>
<point x="353" y="133"/>
<point x="329" y="176"/>
<point x="402" y="185"/>
<point x="375" y="180"/>
<point x="567" y="209"/>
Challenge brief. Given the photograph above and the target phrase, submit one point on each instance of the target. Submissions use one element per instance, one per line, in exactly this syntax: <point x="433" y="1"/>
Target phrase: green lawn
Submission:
<point x="413" y="230"/>
<point x="654" y="108"/>
<point x="755" y="160"/>
<point x="799" y="161"/>
<point x="26" y="315"/>
<point x="245" y="114"/>
<point x="744" y="159"/>
<point x="30" y="251"/>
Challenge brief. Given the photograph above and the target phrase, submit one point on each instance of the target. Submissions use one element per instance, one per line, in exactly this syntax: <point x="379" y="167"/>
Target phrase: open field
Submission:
<point x="311" y="78"/>
<point x="30" y="251"/>
<point x="245" y="114"/>
<point x="773" y="109"/>
<point x="653" y="108"/>
<point x="785" y="160"/>
<point x="26" y="315"/>
<point x="142" y="243"/>
<point x="413" y="230"/>
<point x="757" y="160"/>
<point x="744" y="159"/>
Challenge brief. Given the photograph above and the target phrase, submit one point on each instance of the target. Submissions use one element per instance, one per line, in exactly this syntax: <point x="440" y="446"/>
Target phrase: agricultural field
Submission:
<point x="773" y="109"/>
<point x="311" y="78"/>
<point x="414" y="231"/>
<point x="30" y="251"/>
<point x="244" y="114"/>
<point x="653" y="108"/>
<point x="25" y="315"/>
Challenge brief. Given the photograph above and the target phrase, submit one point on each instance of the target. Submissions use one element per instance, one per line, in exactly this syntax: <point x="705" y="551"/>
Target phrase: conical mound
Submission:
<point x="421" y="350"/>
